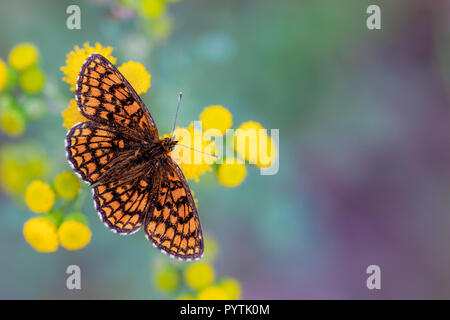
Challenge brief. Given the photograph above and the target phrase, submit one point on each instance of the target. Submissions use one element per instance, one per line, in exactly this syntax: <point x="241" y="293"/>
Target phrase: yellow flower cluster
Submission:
<point x="46" y="232"/>
<point x="190" y="281"/>
<point x="250" y="140"/>
<point x="75" y="59"/>
<point x="193" y="153"/>
<point x="24" y="58"/>
<point x="21" y="71"/>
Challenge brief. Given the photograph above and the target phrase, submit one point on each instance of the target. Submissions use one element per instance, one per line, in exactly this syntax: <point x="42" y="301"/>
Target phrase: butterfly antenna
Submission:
<point x="212" y="155"/>
<point x="180" y="96"/>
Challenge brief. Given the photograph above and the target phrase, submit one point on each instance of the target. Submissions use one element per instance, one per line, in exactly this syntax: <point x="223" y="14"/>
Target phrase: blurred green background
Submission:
<point x="364" y="124"/>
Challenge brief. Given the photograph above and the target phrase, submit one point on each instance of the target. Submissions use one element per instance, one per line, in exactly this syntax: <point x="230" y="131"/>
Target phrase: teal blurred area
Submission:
<point x="364" y="124"/>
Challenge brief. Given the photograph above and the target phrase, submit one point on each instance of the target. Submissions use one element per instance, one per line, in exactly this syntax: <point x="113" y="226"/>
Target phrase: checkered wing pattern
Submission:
<point x="123" y="206"/>
<point x="105" y="96"/>
<point x="91" y="147"/>
<point x="119" y="153"/>
<point x="172" y="223"/>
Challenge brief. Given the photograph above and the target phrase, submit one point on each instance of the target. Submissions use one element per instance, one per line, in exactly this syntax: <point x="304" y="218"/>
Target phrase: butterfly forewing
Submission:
<point x="105" y="96"/>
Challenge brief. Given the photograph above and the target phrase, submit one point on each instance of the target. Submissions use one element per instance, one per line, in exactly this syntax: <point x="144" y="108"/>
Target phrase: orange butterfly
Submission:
<point x="119" y="153"/>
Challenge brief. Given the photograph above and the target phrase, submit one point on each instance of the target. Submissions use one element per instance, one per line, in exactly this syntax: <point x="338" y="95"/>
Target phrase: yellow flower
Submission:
<point x="76" y="58"/>
<point x="216" y="117"/>
<point x="231" y="174"/>
<point x="232" y="287"/>
<point x="23" y="56"/>
<point x="186" y="296"/>
<point x="40" y="233"/>
<point x="213" y="293"/>
<point x="246" y="140"/>
<point x="39" y="196"/>
<point x="153" y="8"/>
<point x="192" y="163"/>
<point x="199" y="275"/>
<point x="137" y="76"/>
<point x="72" y="115"/>
<point x="67" y="185"/>
<point x="167" y="279"/>
<point x="250" y="142"/>
<point x="32" y="80"/>
<point x="74" y="234"/>
<point x="3" y="74"/>
<point x="12" y="120"/>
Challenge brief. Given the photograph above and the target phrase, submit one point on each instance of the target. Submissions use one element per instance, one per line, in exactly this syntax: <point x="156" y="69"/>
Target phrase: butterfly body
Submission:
<point x="159" y="149"/>
<point x="120" y="154"/>
<point x="137" y="159"/>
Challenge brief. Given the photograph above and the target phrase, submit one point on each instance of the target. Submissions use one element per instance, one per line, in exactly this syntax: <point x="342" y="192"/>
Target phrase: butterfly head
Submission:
<point x="169" y="144"/>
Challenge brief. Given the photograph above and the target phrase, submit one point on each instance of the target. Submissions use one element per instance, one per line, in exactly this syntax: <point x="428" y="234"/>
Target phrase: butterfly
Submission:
<point x="134" y="180"/>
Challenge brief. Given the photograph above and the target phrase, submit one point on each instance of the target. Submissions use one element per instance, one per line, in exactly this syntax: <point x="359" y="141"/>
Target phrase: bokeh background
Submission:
<point x="364" y="146"/>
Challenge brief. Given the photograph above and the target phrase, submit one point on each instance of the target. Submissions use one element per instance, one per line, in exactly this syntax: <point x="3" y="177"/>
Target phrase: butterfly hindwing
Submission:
<point x="122" y="206"/>
<point x="90" y="148"/>
<point x="106" y="97"/>
<point x="172" y="223"/>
